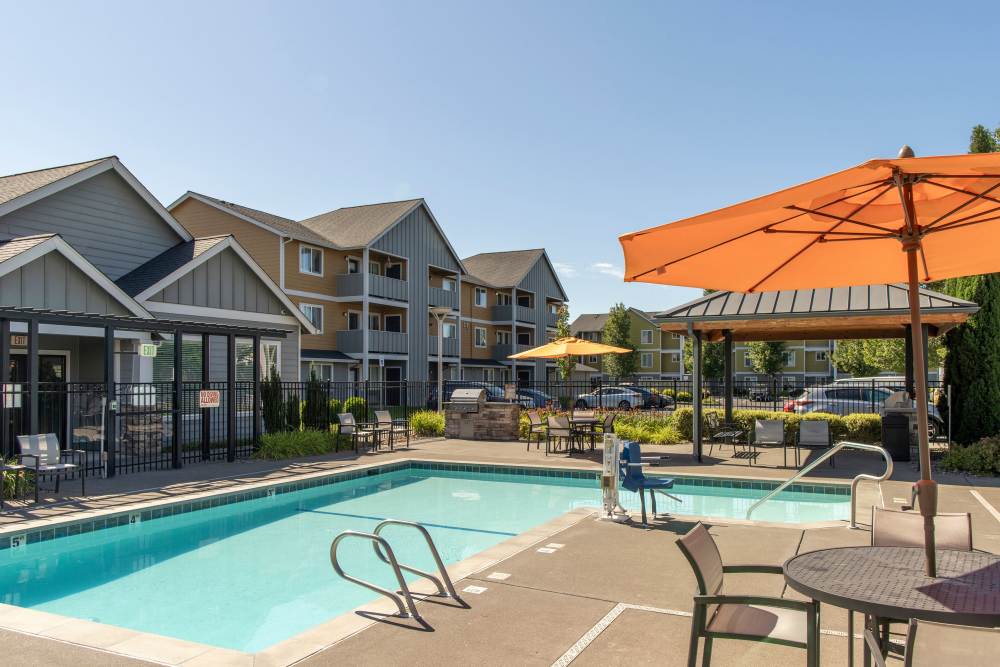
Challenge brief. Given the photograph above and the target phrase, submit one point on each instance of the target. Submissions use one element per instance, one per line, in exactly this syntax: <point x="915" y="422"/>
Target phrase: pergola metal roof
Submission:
<point x="866" y="311"/>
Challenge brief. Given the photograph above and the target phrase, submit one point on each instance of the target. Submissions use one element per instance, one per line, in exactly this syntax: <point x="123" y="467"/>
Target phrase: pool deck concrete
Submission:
<point x="606" y="594"/>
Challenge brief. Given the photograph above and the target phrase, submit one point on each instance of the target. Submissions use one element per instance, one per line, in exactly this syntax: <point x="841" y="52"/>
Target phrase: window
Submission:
<point x="646" y="337"/>
<point x="746" y="361"/>
<point x="675" y="358"/>
<point x="374" y="321"/>
<point x="554" y="308"/>
<point x="503" y="338"/>
<point x="646" y="359"/>
<point x="480" y="297"/>
<point x="270" y="357"/>
<point x="374" y="268"/>
<point x="821" y="356"/>
<point x="313" y="313"/>
<point x="353" y="321"/>
<point x="524" y="300"/>
<point x="310" y="260"/>
<point x="503" y="299"/>
<point x="675" y="336"/>
<point x="394" y="323"/>
<point x="489" y="375"/>
<point x="448" y="284"/>
<point x="790" y="358"/>
<point x="321" y="371"/>
<point x="449" y="329"/>
<point x="353" y="265"/>
<point x="394" y="270"/>
<point x="480" y="337"/>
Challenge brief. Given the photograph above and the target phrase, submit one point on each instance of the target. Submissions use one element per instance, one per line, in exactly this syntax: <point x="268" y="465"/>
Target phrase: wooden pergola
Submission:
<point x="867" y="311"/>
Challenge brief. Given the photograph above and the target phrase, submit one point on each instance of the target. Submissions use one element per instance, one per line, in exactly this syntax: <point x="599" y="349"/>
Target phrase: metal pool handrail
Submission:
<point x="442" y="572"/>
<point x="844" y="444"/>
<point x="389" y="558"/>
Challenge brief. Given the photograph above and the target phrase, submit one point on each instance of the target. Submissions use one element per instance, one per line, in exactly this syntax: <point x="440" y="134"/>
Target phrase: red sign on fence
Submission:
<point x="209" y="398"/>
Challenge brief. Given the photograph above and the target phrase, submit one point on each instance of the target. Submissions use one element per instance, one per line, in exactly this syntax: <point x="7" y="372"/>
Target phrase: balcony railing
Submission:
<point x="353" y="284"/>
<point x="502" y="351"/>
<point x="551" y="319"/>
<point x="441" y="297"/>
<point x="450" y="347"/>
<point x="378" y="341"/>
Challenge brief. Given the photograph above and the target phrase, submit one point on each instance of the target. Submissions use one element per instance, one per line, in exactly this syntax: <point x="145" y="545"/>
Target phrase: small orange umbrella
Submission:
<point x="900" y="220"/>
<point x="568" y="347"/>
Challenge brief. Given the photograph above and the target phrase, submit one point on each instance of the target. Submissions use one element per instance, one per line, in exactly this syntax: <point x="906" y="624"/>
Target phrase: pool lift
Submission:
<point x="611" y="475"/>
<point x="384" y="552"/>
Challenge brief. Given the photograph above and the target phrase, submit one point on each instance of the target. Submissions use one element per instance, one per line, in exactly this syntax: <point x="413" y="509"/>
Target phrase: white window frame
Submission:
<point x="789" y="359"/>
<point x="322" y="314"/>
<point x="347" y="316"/>
<point x="746" y="361"/>
<point x="449" y="284"/>
<point x="377" y="318"/>
<point x="385" y="319"/>
<point x="263" y="356"/>
<point x="554" y="308"/>
<point x="475" y="336"/>
<point x="489" y="375"/>
<point x="484" y="302"/>
<point x="643" y="335"/>
<point x="675" y="357"/>
<point x="501" y="296"/>
<point x="311" y="249"/>
<point x="391" y="263"/>
<point x="447" y="327"/>
<point x="643" y="356"/>
<point x="593" y="359"/>
<point x="357" y="263"/>
<point x="317" y="368"/>
<point x="504" y="337"/>
<point x="377" y="265"/>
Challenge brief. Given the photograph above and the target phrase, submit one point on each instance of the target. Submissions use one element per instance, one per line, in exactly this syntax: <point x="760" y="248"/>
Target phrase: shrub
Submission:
<point x="272" y="404"/>
<point x="979" y="458"/>
<point x="862" y="427"/>
<point x="667" y="392"/>
<point x="291" y="444"/>
<point x="336" y="407"/>
<point x="684" y="397"/>
<point x="357" y="406"/>
<point x="315" y="406"/>
<point x="857" y="427"/>
<point x="293" y="413"/>
<point x="427" y="423"/>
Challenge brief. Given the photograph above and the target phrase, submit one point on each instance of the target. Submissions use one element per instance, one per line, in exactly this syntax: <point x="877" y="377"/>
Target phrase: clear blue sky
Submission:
<point x="547" y="124"/>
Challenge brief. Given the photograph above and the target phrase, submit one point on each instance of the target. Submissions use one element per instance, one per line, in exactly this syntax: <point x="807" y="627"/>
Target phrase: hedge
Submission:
<point x="293" y="444"/>
<point x="427" y="423"/>
<point x="979" y="458"/>
<point x="856" y="427"/>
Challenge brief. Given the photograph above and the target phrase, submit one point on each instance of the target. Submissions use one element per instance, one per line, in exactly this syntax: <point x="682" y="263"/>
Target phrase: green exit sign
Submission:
<point x="147" y="350"/>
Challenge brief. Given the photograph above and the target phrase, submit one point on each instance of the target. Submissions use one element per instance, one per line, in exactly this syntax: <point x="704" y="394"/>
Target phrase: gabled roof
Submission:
<point x="588" y="322"/>
<point x="146" y="275"/>
<point x="19" y="190"/>
<point x="358" y="226"/>
<point x="508" y="268"/>
<point x="269" y="221"/>
<point x="18" y="252"/>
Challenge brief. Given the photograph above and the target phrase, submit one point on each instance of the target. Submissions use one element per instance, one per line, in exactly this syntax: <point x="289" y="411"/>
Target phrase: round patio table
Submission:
<point x="586" y="427"/>
<point x="890" y="583"/>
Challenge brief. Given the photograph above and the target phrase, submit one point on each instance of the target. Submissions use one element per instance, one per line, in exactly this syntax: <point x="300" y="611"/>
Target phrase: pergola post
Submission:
<point x="178" y="411"/>
<point x="231" y="398"/>
<point x="110" y="400"/>
<point x="696" y="381"/>
<point x="727" y="353"/>
<point x="33" y="367"/>
<point x="206" y="413"/>
<point x="5" y="446"/>
<point x="255" y="360"/>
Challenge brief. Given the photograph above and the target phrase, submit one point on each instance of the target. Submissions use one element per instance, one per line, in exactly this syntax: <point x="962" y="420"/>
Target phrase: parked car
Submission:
<point x="843" y="399"/>
<point x="535" y="398"/>
<point x="611" y="397"/>
<point x="650" y="399"/>
<point x="493" y="393"/>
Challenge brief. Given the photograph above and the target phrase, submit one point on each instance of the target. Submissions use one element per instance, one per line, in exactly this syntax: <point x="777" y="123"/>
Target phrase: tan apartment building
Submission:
<point x="660" y="354"/>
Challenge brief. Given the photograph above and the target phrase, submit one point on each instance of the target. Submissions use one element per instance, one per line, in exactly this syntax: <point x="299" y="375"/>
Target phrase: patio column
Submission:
<point x="5" y="447"/>
<point x="206" y="413"/>
<point x="695" y="390"/>
<point x="727" y="352"/>
<point x="178" y="400"/>
<point x="33" y="375"/>
<point x="231" y="397"/>
<point x="255" y="359"/>
<point x="110" y="402"/>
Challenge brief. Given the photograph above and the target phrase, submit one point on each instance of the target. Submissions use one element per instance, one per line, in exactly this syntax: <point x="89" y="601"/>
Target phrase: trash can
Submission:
<point x="896" y="435"/>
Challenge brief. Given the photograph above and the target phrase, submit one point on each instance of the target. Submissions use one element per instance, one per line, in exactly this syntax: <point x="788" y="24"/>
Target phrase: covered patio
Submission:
<point x="867" y="311"/>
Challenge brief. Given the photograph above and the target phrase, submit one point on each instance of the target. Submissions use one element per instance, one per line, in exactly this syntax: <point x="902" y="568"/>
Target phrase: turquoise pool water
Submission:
<point x="249" y="574"/>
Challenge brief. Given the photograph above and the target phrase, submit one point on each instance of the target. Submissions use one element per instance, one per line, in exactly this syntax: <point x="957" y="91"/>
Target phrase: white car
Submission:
<point x="610" y="397"/>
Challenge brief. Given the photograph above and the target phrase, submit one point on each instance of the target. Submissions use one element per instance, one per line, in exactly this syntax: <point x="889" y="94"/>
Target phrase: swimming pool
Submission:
<point x="246" y="571"/>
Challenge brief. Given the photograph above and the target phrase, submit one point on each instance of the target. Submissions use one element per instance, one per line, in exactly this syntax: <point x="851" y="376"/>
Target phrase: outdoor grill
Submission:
<point x="468" y="415"/>
<point x="467" y="399"/>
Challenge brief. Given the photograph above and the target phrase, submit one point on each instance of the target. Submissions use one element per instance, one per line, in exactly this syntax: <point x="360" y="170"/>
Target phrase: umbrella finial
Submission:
<point x="906" y="151"/>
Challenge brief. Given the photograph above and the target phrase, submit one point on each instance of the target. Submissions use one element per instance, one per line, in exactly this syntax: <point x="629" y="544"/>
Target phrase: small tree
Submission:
<point x="315" y="412"/>
<point x="564" y="365"/>
<point x="766" y="357"/>
<point x="713" y="358"/>
<point x="616" y="332"/>
<point x="272" y="402"/>
<point x="849" y="357"/>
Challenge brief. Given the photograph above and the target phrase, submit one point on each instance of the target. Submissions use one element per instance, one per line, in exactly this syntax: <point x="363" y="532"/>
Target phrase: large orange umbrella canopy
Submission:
<point x="568" y="347"/>
<point x="840" y="230"/>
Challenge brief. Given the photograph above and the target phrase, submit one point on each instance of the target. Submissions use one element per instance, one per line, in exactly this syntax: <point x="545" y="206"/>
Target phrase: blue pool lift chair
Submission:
<point x="631" y="477"/>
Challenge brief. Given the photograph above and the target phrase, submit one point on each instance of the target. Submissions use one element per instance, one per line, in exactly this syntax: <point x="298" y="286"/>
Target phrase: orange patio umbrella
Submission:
<point x="568" y="347"/>
<point x="893" y="220"/>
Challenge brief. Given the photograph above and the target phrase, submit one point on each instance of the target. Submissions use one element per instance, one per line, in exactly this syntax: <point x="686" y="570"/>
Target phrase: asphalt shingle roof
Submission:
<point x="502" y="269"/>
<point x="14" y="247"/>
<point x="357" y="226"/>
<point x="282" y="225"/>
<point x="588" y="322"/>
<point x="146" y="275"/>
<point x="16" y="185"/>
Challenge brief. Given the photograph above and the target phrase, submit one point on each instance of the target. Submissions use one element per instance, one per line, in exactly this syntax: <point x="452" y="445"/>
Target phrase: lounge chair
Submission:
<point x="631" y="477"/>
<point x="358" y="433"/>
<point x="813" y="434"/>
<point x="747" y="617"/>
<point x="536" y="428"/>
<point x="385" y="422"/>
<point x="930" y="644"/>
<point x="770" y="432"/>
<point x="558" y="429"/>
<point x="41" y="454"/>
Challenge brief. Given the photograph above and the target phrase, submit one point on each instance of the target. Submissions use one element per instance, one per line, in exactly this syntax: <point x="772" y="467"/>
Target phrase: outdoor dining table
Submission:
<point x="886" y="583"/>
<point x="584" y="425"/>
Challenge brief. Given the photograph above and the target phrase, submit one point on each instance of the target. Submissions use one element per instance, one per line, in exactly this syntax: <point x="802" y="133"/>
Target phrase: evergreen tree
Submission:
<point x="565" y="365"/>
<point x="617" y="332"/>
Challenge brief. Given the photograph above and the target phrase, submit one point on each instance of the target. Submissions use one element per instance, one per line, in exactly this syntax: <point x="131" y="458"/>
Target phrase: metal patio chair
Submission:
<point x="720" y="432"/>
<point x="748" y="617"/>
<point x="536" y="428"/>
<point x="41" y="454"/>
<point x="558" y="429"/>
<point x="385" y="422"/>
<point x="770" y="432"/>
<point x="931" y="644"/>
<point x="813" y="434"/>
<point x="358" y="433"/>
<point x="608" y="425"/>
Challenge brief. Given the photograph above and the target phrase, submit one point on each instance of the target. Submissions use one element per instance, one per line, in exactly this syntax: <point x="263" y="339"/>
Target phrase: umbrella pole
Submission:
<point x="926" y="488"/>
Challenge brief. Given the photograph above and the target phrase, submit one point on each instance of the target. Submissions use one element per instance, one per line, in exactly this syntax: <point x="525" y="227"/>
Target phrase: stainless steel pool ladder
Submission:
<point x="844" y="444"/>
<point x="385" y="553"/>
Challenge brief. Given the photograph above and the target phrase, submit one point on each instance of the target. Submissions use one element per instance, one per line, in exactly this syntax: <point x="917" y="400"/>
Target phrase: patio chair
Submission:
<point x="770" y="432"/>
<point x="41" y="454"/>
<point x="386" y="423"/>
<point x="356" y="432"/>
<point x="747" y="617"/>
<point x="631" y="477"/>
<point x="930" y="644"/>
<point x="558" y="429"/>
<point x="536" y="428"/>
<point x="892" y="528"/>
<point x="608" y="425"/>
<point x="813" y="434"/>
<point x="719" y="432"/>
<point x="584" y="414"/>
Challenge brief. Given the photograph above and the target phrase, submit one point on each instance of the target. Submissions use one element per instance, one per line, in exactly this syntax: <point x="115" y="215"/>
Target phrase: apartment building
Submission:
<point x="805" y="360"/>
<point x="660" y="354"/>
<point x="510" y="303"/>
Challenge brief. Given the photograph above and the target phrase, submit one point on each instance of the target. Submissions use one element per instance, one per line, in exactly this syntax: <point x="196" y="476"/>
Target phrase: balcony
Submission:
<point x="503" y="314"/>
<point x="450" y="347"/>
<point x="352" y="284"/>
<point x="501" y="351"/>
<point x="390" y="342"/>
<point x="441" y="297"/>
<point x="551" y="319"/>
